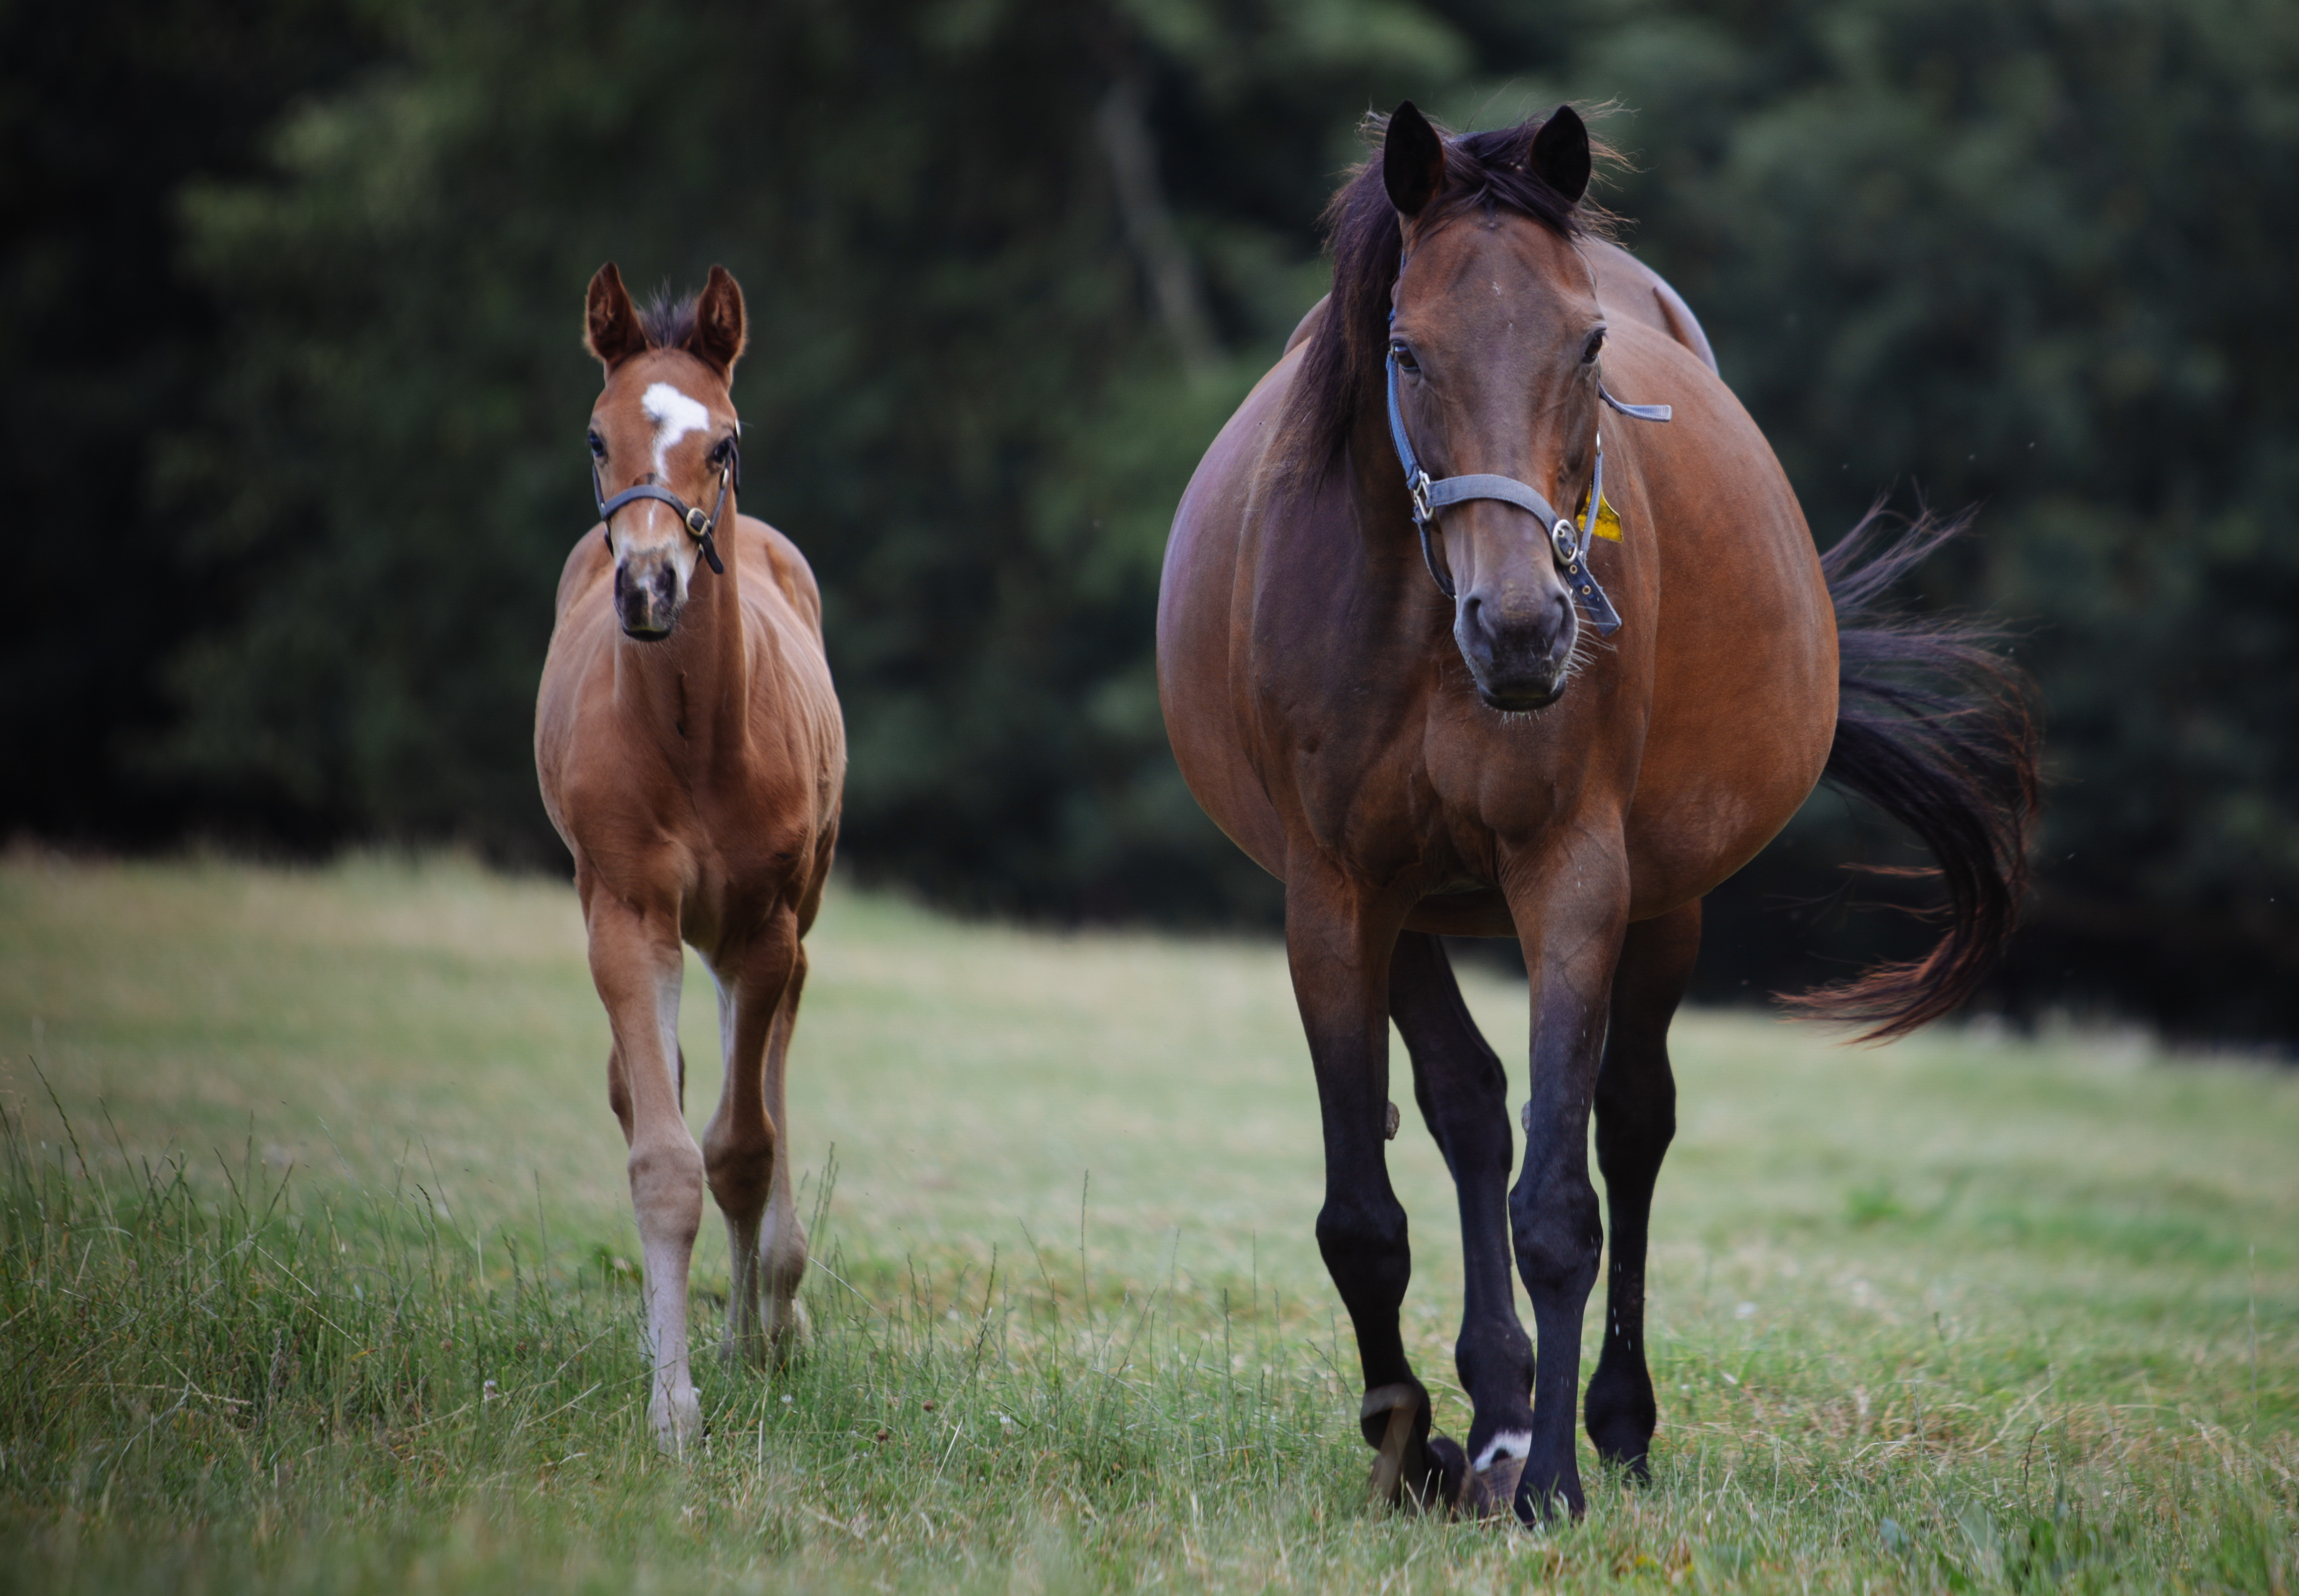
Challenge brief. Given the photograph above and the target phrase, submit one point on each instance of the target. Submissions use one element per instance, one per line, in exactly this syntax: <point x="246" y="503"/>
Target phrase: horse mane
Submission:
<point x="667" y="320"/>
<point x="1342" y="370"/>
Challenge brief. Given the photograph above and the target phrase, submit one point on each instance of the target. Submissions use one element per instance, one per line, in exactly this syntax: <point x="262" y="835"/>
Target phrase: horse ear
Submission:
<point x="1412" y="160"/>
<point x="720" y="333"/>
<point x="611" y="322"/>
<point x="1559" y="155"/>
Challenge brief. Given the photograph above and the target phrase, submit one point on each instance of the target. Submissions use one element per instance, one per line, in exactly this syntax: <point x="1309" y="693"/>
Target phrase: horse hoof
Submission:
<point x="1448" y="1477"/>
<point x="1492" y="1492"/>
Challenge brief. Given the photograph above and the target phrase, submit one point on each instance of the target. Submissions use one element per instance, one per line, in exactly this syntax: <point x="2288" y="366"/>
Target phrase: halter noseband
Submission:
<point x="1568" y="544"/>
<point x="698" y="525"/>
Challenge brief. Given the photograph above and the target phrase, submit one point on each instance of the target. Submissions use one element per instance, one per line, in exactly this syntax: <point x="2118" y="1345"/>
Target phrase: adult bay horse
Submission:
<point x="691" y="755"/>
<point x="1621" y="671"/>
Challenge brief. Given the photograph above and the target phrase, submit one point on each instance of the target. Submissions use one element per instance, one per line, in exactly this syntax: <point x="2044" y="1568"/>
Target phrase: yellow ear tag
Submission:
<point x="1608" y="519"/>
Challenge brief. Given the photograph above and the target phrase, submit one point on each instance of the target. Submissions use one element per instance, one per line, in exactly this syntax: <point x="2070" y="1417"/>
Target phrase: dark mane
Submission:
<point x="666" y="321"/>
<point x="1343" y="368"/>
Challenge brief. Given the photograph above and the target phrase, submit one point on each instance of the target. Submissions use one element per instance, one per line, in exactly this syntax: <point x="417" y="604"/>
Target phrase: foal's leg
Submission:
<point x="782" y="1247"/>
<point x="1570" y="916"/>
<point x="1338" y="939"/>
<point x="1635" y="1117"/>
<point x="637" y="962"/>
<point x="1464" y="1096"/>
<point x="738" y="1144"/>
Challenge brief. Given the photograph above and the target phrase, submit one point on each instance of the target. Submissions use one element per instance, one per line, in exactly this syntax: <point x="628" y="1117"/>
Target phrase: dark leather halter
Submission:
<point x="701" y="526"/>
<point x="1569" y="543"/>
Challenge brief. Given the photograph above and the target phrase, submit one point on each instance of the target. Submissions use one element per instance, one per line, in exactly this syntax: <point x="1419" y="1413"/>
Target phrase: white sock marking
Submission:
<point x="1508" y="1443"/>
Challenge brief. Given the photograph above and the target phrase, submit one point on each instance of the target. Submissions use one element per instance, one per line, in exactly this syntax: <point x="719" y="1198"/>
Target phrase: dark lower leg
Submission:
<point x="1463" y="1094"/>
<point x="1573" y="942"/>
<point x="1339" y="951"/>
<point x="1636" y="1118"/>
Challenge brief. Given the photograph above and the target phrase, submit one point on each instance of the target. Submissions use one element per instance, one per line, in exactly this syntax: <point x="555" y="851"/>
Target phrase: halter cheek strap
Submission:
<point x="1569" y="543"/>
<point x="700" y="527"/>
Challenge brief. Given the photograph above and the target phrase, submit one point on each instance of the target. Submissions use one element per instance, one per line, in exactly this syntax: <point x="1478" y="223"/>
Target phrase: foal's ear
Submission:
<point x="1559" y="155"/>
<point x="719" y="333"/>
<point x="1411" y="159"/>
<point x="611" y="322"/>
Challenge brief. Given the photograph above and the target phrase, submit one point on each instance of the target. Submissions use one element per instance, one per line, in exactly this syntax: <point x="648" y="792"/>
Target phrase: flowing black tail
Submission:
<point x="1933" y="727"/>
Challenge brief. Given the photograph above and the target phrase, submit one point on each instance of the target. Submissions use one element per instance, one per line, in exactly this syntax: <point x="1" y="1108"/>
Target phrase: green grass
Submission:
<point x="315" y="1278"/>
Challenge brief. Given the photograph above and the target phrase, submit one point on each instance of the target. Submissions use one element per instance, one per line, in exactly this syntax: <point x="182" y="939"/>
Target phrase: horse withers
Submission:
<point x="1490" y="613"/>
<point x="691" y="755"/>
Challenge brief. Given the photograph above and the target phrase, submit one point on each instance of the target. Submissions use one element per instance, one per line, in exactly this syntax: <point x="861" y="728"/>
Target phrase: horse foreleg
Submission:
<point x="1463" y="1094"/>
<point x="739" y="1144"/>
<point x="1636" y="1118"/>
<point x="1570" y="920"/>
<point x="636" y="963"/>
<point x="1338" y="938"/>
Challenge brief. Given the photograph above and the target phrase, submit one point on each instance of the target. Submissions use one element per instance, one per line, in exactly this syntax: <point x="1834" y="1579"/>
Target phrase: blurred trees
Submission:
<point x="308" y="324"/>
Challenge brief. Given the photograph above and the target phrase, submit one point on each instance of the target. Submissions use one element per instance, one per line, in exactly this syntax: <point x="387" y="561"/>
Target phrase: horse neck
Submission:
<point x="692" y="690"/>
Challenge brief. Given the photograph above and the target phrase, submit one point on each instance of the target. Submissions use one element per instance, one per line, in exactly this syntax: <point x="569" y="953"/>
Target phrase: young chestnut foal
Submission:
<point x="691" y="755"/>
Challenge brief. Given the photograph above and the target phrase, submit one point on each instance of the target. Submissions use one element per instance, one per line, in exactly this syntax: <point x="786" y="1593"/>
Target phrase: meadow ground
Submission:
<point x="315" y="1278"/>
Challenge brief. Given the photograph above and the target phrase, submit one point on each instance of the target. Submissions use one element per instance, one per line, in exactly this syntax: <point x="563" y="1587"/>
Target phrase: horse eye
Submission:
<point x="723" y="453"/>
<point x="1596" y="342"/>
<point x="598" y="446"/>
<point x="1404" y="357"/>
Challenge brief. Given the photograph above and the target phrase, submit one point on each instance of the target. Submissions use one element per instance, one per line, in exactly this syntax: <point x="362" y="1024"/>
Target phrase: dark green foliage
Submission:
<point x="311" y="322"/>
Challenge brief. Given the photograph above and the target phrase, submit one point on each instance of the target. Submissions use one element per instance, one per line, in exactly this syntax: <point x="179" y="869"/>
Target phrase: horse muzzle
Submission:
<point x="1518" y="647"/>
<point x="647" y="598"/>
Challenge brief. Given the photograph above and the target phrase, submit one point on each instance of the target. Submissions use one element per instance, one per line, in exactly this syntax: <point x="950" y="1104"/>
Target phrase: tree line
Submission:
<point x="294" y="399"/>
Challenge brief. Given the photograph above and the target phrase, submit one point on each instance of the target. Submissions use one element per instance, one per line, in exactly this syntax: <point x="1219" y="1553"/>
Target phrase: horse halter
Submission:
<point x="698" y="525"/>
<point x="1569" y="544"/>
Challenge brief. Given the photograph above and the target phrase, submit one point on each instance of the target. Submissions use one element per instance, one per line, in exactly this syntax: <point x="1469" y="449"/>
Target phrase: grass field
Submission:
<point x="315" y="1278"/>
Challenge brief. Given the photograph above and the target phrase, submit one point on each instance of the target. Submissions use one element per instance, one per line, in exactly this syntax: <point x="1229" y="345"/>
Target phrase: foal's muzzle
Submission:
<point x="646" y="596"/>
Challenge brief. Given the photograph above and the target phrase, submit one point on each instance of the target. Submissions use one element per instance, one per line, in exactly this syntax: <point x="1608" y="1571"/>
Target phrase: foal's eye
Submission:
<point x="1404" y="357"/>
<point x="724" y="452"/>
<point x="598" y="446"/>
<point x="1595" y="343"/>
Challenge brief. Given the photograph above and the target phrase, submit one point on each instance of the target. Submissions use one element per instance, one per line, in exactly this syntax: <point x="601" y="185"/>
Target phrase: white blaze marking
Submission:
<point x="674" y="415"/>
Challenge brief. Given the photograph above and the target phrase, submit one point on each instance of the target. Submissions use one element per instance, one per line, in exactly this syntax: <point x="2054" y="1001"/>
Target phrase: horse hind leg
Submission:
<point x="782" y="1244"/>
<point x="1636" y="1120"/>
<point x="1463" y="1094"/>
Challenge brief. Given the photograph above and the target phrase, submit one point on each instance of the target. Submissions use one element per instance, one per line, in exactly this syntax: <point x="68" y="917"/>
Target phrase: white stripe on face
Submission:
<point x="674" y="415"/>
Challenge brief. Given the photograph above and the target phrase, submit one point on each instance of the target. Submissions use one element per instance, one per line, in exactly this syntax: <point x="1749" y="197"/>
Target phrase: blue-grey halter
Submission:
<point x="1569" y="544"/>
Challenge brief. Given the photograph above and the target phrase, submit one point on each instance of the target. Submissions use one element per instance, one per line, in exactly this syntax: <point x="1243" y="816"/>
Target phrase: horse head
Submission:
<point x="663" y="439"/>
<point x="1494" y="341"/>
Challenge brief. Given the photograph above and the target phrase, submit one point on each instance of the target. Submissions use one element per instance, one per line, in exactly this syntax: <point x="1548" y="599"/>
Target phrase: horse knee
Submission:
<point x="740" y="1170"/>
<point x="666" y="1181"/>
<point x="1366" y="1247"/>
<point x="1560" y="1240"/>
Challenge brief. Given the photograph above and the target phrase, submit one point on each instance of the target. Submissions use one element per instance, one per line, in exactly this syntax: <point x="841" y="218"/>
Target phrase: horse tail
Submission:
<point x="1932" y="726"/>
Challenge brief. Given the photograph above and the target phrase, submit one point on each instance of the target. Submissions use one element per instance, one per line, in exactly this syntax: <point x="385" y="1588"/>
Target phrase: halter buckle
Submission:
<point x="1419" y="488"/>
<point x="1563" y="540"/>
